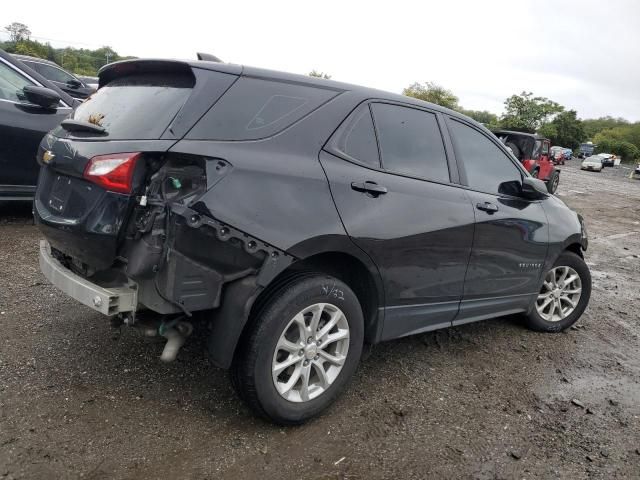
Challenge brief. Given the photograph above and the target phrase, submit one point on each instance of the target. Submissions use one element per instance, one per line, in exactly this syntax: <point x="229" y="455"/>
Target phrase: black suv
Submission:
<point x="296" y="217"/>
<point x="65" y="81"/>
<point x="30" y="106"/>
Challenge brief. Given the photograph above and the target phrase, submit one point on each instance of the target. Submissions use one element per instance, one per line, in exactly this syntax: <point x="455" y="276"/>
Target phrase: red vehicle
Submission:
<point x="534" y="153"/>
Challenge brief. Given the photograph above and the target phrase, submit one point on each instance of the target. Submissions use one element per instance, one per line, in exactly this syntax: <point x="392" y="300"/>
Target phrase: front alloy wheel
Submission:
<point x="560" y="294"/>
<point x="563" y="297"/>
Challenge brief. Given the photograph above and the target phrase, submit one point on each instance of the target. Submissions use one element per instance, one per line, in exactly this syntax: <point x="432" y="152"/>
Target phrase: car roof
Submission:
<point x="109" y="71"/>
<point x="29" y="58"/>
<point x="515" y="132"/>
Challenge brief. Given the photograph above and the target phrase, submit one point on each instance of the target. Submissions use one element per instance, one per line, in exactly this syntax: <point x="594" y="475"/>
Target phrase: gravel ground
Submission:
<point x="488" y="400"/>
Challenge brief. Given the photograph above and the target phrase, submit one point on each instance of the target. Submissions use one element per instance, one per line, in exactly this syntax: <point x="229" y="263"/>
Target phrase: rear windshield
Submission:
<point x="254" y="108"/>
<point x="137" y="107"/>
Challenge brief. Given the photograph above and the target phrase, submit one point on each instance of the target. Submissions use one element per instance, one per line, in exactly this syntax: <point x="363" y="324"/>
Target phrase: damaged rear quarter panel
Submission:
<point x="277" y="193"/>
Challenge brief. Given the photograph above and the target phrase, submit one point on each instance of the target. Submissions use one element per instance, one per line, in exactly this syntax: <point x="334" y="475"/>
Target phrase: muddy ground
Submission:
<point x="490" y="400"/>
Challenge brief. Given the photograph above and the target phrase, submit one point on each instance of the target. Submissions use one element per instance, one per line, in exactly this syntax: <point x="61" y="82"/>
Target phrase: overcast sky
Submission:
<point x="583" y="54"/>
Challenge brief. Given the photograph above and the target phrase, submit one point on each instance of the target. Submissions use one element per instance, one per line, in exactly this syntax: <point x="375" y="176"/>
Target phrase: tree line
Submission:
<point x="528" y="113"/>
<point x="81" y="61"/>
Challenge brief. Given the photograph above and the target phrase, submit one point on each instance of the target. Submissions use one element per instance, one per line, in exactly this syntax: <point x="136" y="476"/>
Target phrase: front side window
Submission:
<point x="410" y="142"/>
<point x="11" y="83"/>
<point x="488" y="168"/>
<point x="50" y="72"/>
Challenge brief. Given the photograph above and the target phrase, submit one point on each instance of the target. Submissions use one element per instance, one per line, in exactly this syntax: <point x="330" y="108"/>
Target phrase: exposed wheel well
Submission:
<point x="340" y="265"/>
<point x="576" y="248"/>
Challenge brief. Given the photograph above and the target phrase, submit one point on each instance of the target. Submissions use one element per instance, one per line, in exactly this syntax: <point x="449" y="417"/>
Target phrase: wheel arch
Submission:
<point x="576" y="248"/>
<point x="337" y="256"/>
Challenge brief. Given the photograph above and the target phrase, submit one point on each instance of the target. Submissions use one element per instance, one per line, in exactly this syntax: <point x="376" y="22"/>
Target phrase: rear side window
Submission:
<point x="488" y="168"/>
<point x="410" y="142"/>
<point x="138" y="106"/>
<point x="255" y="108"/>
<point x="356" y="138"/>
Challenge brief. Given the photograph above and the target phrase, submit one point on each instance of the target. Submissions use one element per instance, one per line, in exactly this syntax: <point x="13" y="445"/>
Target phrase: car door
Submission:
<point x="393" y="189"/>
<point x="22" y="127"/>
<point x="511" y="234"/>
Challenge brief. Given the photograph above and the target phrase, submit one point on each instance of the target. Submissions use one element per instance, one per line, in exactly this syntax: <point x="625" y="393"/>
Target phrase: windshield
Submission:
<point x="594" y="158"/>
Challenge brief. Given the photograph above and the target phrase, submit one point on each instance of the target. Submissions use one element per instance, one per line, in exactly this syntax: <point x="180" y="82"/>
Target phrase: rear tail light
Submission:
<point x="114" y="172"/>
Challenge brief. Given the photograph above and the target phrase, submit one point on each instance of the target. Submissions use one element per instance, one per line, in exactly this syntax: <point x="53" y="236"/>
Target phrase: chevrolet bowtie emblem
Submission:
<point x="47" y="156"/>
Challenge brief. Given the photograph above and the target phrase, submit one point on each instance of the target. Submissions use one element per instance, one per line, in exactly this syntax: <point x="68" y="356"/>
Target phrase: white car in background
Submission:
<point x="594" y="163"/>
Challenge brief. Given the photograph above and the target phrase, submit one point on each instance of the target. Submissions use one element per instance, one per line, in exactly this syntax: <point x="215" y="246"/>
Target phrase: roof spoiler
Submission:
<point x="208" y="57"/>
<point x="122" y="68"/>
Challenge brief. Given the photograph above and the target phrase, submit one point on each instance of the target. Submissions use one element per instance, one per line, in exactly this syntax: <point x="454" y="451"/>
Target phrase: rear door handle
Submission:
<point x="487" y="207"/>
<point x="369" y="187"/>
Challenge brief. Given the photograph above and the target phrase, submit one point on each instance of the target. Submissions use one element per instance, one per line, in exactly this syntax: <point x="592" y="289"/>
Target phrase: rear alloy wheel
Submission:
<point x="564" y="295"/>
<point x="311" y="352"/>
<point x="303" y="346"/>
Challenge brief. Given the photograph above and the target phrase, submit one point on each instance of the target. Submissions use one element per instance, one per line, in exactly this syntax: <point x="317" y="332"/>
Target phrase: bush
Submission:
<point x="626" y="150"/>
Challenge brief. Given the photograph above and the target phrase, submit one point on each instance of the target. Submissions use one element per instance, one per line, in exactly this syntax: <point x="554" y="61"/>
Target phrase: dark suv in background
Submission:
<point x="30" y="106"/>
<point x="65" y="81"/>
<point x="298" y="218"/>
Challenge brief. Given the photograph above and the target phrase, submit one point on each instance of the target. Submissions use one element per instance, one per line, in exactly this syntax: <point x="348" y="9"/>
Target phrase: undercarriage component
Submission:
<point x="175" y="331"/>
<point x="176" y="336"/>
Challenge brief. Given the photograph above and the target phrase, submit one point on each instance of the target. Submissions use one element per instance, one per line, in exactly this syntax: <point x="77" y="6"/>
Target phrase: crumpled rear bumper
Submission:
<point x="108" y="301"/>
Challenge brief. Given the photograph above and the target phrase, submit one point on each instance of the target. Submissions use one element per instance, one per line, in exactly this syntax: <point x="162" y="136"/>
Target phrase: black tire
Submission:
<point x="552" y="183"/>
<point x="251" y="370"/>
<point x="567" y="259"/>
<point x="535" y="173"/>
<point x="514" y="148"/>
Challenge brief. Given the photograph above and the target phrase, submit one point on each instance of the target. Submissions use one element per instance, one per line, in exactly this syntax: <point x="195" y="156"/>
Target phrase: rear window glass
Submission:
<point x="254" y="109"/>
<point x="137" y="107"/>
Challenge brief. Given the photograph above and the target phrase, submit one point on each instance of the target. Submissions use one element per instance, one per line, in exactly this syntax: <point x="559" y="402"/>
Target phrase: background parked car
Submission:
<point x="534" y="153"/>
<point x="30" y="106"/>
<point x="568" y="153"/>
<point x="594" y="163"/>
<point x="64" y="80"/>
<point x="90" y="81"/>
<point x="557" y="155"/>
<point x="607" y="159"/>
<point x="587" y="149"/>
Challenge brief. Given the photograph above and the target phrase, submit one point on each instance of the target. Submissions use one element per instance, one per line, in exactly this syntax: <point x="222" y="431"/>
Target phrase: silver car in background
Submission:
<point x="594" y="163"/>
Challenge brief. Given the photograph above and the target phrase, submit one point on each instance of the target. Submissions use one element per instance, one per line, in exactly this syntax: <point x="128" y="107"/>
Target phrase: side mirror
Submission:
<point x="74" y="83"/>
<point x="534" y="188"/>
<point x="41" y="96"/>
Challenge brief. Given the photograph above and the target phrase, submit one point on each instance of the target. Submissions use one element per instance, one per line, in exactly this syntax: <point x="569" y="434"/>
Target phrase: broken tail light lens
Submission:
<point x="114" y="172"/>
